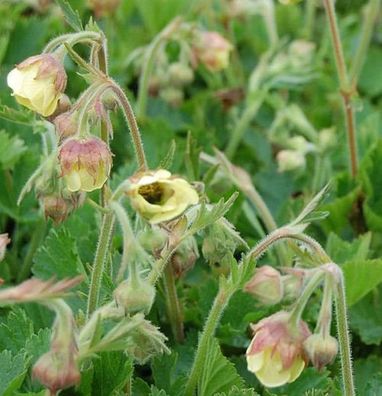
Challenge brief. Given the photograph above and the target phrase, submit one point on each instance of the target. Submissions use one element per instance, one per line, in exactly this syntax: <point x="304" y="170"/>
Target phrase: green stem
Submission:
<point x="303" y="299"/>
<point x="325" y="316"/>
<point x="160" y="264"/>
<point x="133" y="126"/>
<point x="310" y="14"/>
<point x="243" y="123"/>
<point x="345" y="85"/>
<point x="220" y="303"/>
<point x="38" y="236"/>
<point x="344" y="340"/>
<point x="367" y="31"/>
<point x="173" y="305"/>
<point x="99" y="262"/>
<point x="73" y="38"/>
<point x="149" y="61"/>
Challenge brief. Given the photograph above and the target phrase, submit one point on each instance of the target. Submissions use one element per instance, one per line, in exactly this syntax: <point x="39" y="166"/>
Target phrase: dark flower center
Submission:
<point x="152" y="193"/>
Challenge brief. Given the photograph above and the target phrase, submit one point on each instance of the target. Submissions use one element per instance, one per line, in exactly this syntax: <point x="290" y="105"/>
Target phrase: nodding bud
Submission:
<point x="38" y="83"/>
<point x="266" y="285"/>
<point x="66" y="125"/>
<point x="321" y="349"/>
<point x="4" y="240"/>
<point x="58" y="208"/>
<point x="57" y="370"/>
<point x="180" y="74"/>
<point x="289" y="160"/>
<point x="135" y="296"/>
<point x="153" y="239"/>
<point x="85" y="163"/>
<point x="185" y="256"/>
<point x="212" y="50"/>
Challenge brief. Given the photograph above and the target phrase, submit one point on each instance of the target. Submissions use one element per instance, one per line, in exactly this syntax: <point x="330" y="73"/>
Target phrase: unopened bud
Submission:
<point x="185" y="256"/>
<point x="321" y="349"/>
<point x="85" y="163"/>
<point x="266" y="285"/>
<point x="153" y="239"/>
<point x="327" y="139"/>
<point x="180" y="74"/>
<point x="58" y="208"/>
<point x="135" y="296"/>
<point x="289" y="160"/>
<point x="66" y="125"/>
<point x="4" y="240"/>
<point x="57" y="370"/>
<point x="172" y="95"/>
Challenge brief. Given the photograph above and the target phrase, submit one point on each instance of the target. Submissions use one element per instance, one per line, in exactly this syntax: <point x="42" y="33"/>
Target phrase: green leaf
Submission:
<point x="366" y="319"/>
<point x="374" y="386"/>
<point x="218" y="373"/>
<point x="341" y="251"/>
<point x="111" y="373"/>
<point x="38" y="344"/>
<point x="235" y="391"/>
<point x="22" y="116"/>
<point x="361" y="277"/>
<point x="169" y="157"/>
<point x="12" y="372"/>
<point x="163" y="368"/>
<point x="72" y="17"/>
<point x="365" y="370"/>
<point x="11" y="149"/>
<point x="15" y="330"/>
<point x="58" y="257"/>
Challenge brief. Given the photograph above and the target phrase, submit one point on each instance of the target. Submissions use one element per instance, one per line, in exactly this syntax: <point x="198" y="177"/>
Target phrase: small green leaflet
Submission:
<point x="72" y="17"/>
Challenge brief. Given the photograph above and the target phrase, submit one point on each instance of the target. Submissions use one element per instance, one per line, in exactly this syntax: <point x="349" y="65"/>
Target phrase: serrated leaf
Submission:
<point x="341" y="251"/>
<point x="11" y="149"/>
<point x="360" y="278"/>
<point x="15" y="330"/>
<point x="58" y="257"/>
<point x="12" y="372"/>
<point x="72" y="17"/>
<point x="235" y="391"/>
<point x="218" y="373"/>
<point x="38" y="344"/>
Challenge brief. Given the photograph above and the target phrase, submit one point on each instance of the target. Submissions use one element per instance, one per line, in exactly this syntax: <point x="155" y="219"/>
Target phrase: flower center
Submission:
<point x="152" y="193"/>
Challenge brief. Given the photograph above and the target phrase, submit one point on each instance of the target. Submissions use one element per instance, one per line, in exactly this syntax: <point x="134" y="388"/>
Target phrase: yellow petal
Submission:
<point x="255" y="361"/>
<point x="296" y="369"/>
<point x="271" y="373"/>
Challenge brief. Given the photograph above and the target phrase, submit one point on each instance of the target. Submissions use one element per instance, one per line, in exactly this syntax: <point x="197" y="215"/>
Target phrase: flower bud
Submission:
<point x="103" y="8"/>
<point x="321" y="349"/>
<point x="66" y="125"/>
<point x="38" y="83"/>
<point x="180" y="74"/>
<point x="289" y="160"/>
<point x="135" y="296"/>
<point x="85" y="163"/>
<point x="327" y="139"/>
<point x="157" y="196"/>
<point x="57" y="370"/>
<point x="153" y="239"/>
<point x="266" y="285"/>
<point x="212" y="50"/>
<point x="275" y="354"/>
<point x="301" y="52"/>
<point x="172" y="95"/>
<point x="185" y="256"/>
<point x="4" y="240"/>
<point x="58" y="208"/>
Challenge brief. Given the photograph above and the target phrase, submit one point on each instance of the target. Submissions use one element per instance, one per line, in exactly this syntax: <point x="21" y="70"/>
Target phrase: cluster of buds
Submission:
<point x="158" y="196"/>
<point x="294" y="157"/>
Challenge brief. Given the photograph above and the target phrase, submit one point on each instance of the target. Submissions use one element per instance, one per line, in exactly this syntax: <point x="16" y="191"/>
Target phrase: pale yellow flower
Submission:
<point x="157" y="196"/>
<point x="85" y="163"/>
<point x="275" y="354"/>
<point x="38" y="83"/>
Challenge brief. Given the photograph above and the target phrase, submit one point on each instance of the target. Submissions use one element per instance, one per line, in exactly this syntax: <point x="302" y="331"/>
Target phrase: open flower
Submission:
<point x="85" y="163"/>
<point x="38" y="83"/>
<point x="158" y="196"/>
<point x="275" y="354"/>
<point x="213" y="50"/>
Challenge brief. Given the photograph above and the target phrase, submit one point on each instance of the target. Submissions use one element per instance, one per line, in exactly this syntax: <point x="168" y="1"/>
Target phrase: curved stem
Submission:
<point x="149" y="59"/>
<point x="173" y="304"/>
<point x="325" y="316"/>
<point x="72" y="38"/>
<point x="133" y="126"/>
<point x="220" y="303"/>
<point x="344" y="340"/>
<point x="99" y="262"/>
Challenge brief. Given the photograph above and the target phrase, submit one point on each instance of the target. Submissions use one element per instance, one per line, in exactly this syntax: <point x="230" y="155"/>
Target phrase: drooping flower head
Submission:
<point x="38" y="83"/>
<point x="321" y="349"/>
<point x="212" y="50"/>
<point x="275" y="354"/>
<point x="158" y="196"/>
<point x="85" y="163"/>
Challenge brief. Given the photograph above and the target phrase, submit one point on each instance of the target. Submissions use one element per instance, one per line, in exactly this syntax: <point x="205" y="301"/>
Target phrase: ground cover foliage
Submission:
<point x="269" y="125"/>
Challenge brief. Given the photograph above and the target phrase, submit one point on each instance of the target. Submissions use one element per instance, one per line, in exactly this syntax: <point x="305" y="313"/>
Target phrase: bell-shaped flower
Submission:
<point x="158" y="196"/>
<point x="38" y="83"/>
<point x="85" y="163"/>
<point x="276" y="354"/>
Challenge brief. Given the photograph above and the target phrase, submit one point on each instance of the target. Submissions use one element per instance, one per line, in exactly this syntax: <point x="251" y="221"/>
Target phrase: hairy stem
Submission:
<point x="344" y="340"/>
<point x="73" y="38"/>
<point x="173" y="305"/>
<point x="99" y="262"/>
<point x="345" y="85"/>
